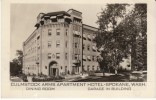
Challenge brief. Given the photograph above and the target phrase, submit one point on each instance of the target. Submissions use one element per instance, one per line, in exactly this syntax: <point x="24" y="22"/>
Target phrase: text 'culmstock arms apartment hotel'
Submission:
<point x="61" y="44"/>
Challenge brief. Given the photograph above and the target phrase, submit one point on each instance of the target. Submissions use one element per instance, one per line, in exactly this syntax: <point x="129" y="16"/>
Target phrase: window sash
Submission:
<point x="57" y="31"/>
<point x="49" y="32"/>
<point x="57" y="55"/>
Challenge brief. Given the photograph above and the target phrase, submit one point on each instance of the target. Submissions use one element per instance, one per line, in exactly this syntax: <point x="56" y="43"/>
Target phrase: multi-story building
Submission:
<point x="61" y="44"/>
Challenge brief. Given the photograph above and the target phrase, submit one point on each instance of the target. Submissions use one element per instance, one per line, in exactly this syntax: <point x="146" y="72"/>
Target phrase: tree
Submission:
<point x="113" y="42"/>
<point x="134" y="26"/>
<point x="16" y="64"/>
<point x="123" y="38"/>
<point x="19" y="53"/>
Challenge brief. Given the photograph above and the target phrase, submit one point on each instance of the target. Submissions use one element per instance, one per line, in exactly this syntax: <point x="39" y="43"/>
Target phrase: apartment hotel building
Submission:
<point x="61" y="44"/>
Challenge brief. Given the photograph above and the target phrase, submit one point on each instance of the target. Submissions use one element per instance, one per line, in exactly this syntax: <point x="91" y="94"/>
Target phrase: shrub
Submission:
<point x="23" y="77"/>
<point x="47" y="79"/>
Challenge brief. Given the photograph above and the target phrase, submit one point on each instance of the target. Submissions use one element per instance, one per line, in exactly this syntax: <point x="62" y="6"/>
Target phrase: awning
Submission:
<point x="37" y="25"/>
<point x="42" y="21"/>
<point x="73" y="65"/>
<point x="89" y="37"/>
<point x="88" y="57"/>
<point x="84" y="57"/>
<point x="77" y="33"/>
<point x="52" y="17"/>
<point x="94" y="48"/>
<point x="46" y="17"/>
<point x="84" y="36"/>
<point x="67" y="18"/>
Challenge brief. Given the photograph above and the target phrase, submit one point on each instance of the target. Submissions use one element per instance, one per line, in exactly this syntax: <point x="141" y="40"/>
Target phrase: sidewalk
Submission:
<point x="69" y="78"/>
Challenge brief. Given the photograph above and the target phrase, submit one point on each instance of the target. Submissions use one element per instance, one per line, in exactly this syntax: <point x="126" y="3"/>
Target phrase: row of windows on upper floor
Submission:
<point x="76" y="46"/>
<point x="32" y="58"/>
<point x="35" y="48"/>
<point x="30" y="67"/>
<point x="49" y="21"/>
<point x="57" y="56"/>
<point x="58" y="31"/>
<point x="49" y="43"/>
<point x="90" y="68"/>
<point x="75" y="28"/>
<point x="31" y="50"/>
<point x="75" y="33"/>
<point x="74" y="57"/>
<point x="33" y="42"/>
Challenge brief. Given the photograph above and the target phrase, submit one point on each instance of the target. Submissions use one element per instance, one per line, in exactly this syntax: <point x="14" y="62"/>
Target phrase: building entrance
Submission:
<point x="53" y="70"/>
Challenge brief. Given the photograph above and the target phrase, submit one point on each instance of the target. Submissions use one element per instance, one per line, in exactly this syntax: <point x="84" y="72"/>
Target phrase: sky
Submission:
<point x="24" y="16"/>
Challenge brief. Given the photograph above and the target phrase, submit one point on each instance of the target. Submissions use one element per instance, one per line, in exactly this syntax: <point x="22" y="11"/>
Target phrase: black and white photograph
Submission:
<point x="78" y="42"/>
<point x="78" y="49"/>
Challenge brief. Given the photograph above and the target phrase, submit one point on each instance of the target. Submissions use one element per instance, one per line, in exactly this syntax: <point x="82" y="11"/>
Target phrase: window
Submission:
<point x="88" y="68"/>
<point x="66" y="32"/>
<point x="83" y="68"/>
<point x="83" y="47"/>
<point x="66" y="44"/>
<point x="76" y="56"/>
<point x="49" y="32"/>
<point x="48" y="21"/>
<point x="88" y="47"/>
<point x="76" y="28"/>
<point x="92" y="67"/>
<point x="49" y="55"/>
<point x="76" y="45"/>
<point x="58" y="43"/>
<point x="66" y="56"/>
<point x="38" y="37"/>
<point x="38" y="57"/>
<point x="80" y="29"/>
<point x="93" y="58"/>
<point x="57" y="55"/>
<point x="60" y="20"/>
<point x="38" y="47"/>
<point x="49" y="44"/>
<point x="73" y="27"/>
<point x="57" y="31"/>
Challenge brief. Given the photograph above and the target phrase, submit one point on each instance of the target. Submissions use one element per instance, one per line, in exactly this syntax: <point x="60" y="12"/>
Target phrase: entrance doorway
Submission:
<point x="53" y="70"/>
<point x="75" y="69"/>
